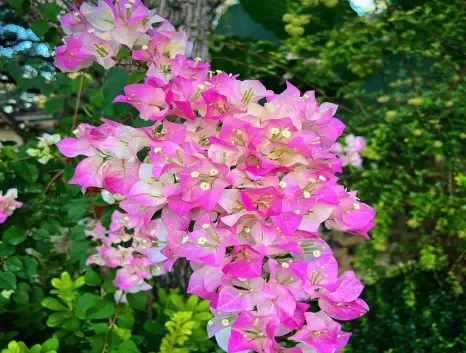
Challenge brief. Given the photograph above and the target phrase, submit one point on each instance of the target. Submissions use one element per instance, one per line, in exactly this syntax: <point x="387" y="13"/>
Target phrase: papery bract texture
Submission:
<point x="241" y="188"/>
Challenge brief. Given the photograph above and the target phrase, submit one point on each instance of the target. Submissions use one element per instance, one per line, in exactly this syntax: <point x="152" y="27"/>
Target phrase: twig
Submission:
<point x="358" y="102"/>
<point x="78" y="101"/>
<point x="112" y="321"/>
<point x="54" y="178"/>
<point x="457" y="262"/>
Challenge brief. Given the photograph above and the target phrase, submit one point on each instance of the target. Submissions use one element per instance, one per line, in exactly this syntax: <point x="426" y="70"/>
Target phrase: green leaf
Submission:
<point x="77" y="210"/>
<point x="123" y="333"/>
<point x="17" y="5"/>
<point x="92" y="278"/>
<point x="56" y="319"/>
<point x="116" y="80"/>
<point x="126" y="321"/>
<point x="21" y="6"/>
<point x="97" y="343"/>
<point x="52" y="226"/>
<point x="136" y="77"/>
<point x="138" y="301"/>
<point x="129" y="347"/>
<point x="40" y="27"/>
<point x="71" y="324"/>
<point x="54" y="106"/>
<point x="192" y="302"/>
<point x="53" y="304"/>
<point x="78" y="250"/>
<point x="21" y="295"/>
<point x="79" y="282"/>
<point x="28" y="172"/>
<point x="86" y="301"/>
<point x="35" y="348"/>
<point x="6" y="250"/>
<point x="108" y="285"/>
<point x="14" y="235"/>
<point x="203" y="306"/>
<point x="101" y="327"/>
<point x="50" y="11"/>
<point x="102" y="310"/>
<point x="77" y="233"/>
<point x="50" y="345"/>
<point x="177" y="301"/>
<point x="7" y="280"/>
<point x="13" y="264"/>
<point x="122" y="53"/>
<point x="202" y="316"/>
<point x="30" y="266"/>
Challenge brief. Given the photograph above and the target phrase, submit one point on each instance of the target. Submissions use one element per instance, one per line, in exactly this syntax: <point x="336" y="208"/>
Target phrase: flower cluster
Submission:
<point x="349" y="152"/>
<point x="8" y="204"/>
<point x="43" y="152"/>
<point x="96" y="33"/>
<point x="242" y="178"/>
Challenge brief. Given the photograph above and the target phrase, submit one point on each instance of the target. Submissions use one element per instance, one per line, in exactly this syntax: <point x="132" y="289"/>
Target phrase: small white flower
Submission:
<point x="185" y="239"/>
<point x="213" y="172"/>
<point x="205" y="186"/>
<point x="282" y="184"/>
<point x="316" y="253"/>
<point x="225" y="322"/>
<point x="33" y="152"/>
<point x="202" y="240"/>
<point x="194" y="174"/>
<point x="286" y="133"/>
<point x="306" y="194"/>
<point x="322" y="178"/>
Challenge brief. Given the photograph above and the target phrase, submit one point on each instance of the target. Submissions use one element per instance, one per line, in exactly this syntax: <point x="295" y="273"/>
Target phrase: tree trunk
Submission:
<point x="195" y="17"/>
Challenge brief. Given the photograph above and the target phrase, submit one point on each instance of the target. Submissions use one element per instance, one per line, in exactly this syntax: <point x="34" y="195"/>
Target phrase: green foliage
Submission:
<point x="410" y="313"/>
<point x="49" y="346"/>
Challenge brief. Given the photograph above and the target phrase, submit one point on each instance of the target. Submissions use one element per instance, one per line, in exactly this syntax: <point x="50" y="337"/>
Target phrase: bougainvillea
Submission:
<point x="241" y="177"/>
<point x="8" y="204"/>
<point x="350" y="152"/>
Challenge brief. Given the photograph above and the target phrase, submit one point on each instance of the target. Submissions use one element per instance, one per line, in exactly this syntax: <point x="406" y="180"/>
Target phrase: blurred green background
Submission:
<point x="397" y="71"/>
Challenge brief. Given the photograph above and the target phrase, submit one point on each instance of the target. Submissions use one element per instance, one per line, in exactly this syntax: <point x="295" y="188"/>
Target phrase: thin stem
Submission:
<point x="55" y="177"/>
<point x="358" y="102"/>
<point x="112" y="321"/>
<point x="78" y="101"/>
